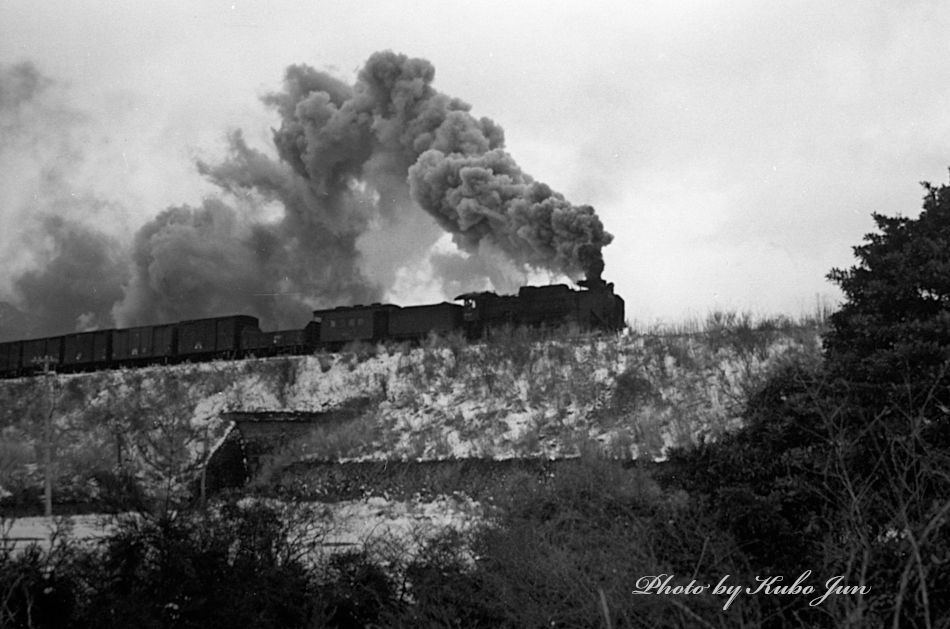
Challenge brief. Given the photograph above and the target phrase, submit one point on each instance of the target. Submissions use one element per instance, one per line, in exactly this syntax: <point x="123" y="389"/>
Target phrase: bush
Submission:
<point x="213" y="571"/>
<point x="846" y="487"/>
<point x="38" y="588"/>
<point x="355" y="591"/>
<point x="446" y="590"/>
<point x="567" y="549"/>
<point x="220" y="569"/>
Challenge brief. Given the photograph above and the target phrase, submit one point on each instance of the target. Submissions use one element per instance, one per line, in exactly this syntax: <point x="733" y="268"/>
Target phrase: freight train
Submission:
<point x="239" y="336"/>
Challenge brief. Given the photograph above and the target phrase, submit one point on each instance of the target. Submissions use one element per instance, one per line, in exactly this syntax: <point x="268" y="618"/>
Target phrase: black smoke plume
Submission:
<point x="77" y="282"/>
<point x="486" y="197"/>
<point x="198" y="262"/>
<point x="394" y="124"/>
<point x="334" y="216"/>
<point x="60" y="273"/>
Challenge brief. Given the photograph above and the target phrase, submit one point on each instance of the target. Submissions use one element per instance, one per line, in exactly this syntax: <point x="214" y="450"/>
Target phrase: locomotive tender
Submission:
<point x="238" y="336"/>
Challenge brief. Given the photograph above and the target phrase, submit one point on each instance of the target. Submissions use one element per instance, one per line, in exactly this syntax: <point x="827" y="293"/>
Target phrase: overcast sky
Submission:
<point x="735" y="150"/>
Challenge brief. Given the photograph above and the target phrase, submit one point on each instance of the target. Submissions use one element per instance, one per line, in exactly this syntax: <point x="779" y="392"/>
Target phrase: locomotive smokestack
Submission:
<point x="592" y="260"/>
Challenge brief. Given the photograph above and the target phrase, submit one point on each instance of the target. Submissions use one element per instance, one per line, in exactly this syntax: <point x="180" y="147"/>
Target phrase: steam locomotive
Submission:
<point x="239" y="336"/>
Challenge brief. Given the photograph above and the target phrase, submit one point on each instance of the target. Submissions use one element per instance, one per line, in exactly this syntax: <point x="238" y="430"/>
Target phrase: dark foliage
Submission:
<point x="567" y="552"/>
<point x="764" y="483"/>
<point x="37" y="588"/>
<point x="843" y="466"/>
<point x="220" y="570"/>
<point x="119" y="491"/>
<point x="892" y="334"/>
<point x="206" y="572"/>
<point x="447" y="591"/>
<point x="356" y="592"/>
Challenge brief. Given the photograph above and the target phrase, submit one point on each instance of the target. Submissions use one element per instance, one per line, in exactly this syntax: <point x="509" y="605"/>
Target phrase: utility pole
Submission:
<point x="48" y="375"/>
<point x="204" y="471"/>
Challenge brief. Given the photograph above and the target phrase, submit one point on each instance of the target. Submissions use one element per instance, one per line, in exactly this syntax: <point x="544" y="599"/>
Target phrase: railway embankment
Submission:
<point x="439" y="416"/>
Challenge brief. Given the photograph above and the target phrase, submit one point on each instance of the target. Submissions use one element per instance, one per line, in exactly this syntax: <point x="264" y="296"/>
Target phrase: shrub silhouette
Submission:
<point x="892" y="334"/>
<point x="202" y="571"/>
<point x="846" y="461"/>
<point x="355" y="592"/>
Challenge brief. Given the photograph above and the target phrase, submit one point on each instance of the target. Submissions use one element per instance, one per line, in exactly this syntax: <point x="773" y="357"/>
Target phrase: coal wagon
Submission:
<point x="10" y="356"/>
<point x="38" y="353"/>
<point x="144" y="344"/>
<point x="256" y="343"/>
<point x="214" y="337"/>
<point x="87" y="350"/>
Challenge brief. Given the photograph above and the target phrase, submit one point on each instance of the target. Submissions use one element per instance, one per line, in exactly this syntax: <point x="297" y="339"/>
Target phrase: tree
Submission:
<point x="888" y="351"/>
<point x="891" y="338"/>
<point x="852" y="455"/>
<point x="54" y="417"/>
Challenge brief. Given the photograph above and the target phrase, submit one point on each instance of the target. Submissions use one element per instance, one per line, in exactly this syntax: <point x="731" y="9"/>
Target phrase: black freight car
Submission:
<point x="253" y="342"/>
<point x="285" y="341"/>
<point x="144" y="344"/>
<point x="257" y="343"/>
<point x="10" y="358"/>
<point x="216" y="337"/>
<point x="87" y="350"/>
<point x="39" y="353"/>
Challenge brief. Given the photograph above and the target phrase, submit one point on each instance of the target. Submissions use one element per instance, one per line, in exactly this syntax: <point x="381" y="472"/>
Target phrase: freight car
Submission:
<point x="87" y="350"/>
<point x="380" y="322"/>
<point x="40" y="353"/>
<point x="199" y="339"/>
<point x="238" y="336"/>
<point x="219" y="337"/>
<point x="10" y="357"/>
<point x="257" y="343"/>
<point x="144" y="345"/>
